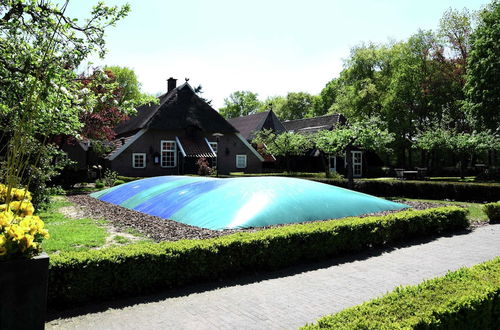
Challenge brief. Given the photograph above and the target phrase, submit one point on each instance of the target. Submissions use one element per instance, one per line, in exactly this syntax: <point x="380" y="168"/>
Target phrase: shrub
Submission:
<point x="145" y="267"/>
<point x="468" y="298"/>
<point x="118" y="182"/>
<point x="99" y="184"/>
<point x="21" y="232"/>
<point x="460" y="191"/>
<point x="492" y="210"/>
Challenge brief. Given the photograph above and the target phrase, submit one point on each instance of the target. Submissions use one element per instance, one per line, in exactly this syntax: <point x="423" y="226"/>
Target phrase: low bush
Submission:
<point x="468" y="298"/>
<point x="459" y="191"/>
<point x="99" y="184"/>
<point x="141" y="268"/>
<point x="118" y="182"/>
<point x="128" y="178"/>
<point x="492" y="210"/>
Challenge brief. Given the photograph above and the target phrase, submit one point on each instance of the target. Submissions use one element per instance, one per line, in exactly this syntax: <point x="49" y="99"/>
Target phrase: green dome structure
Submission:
<point x="241" y="202"/>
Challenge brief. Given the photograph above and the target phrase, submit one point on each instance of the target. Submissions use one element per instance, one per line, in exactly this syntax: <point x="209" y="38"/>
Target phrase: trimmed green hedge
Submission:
<point x="492" y="210"/>
<point x="468" y="298"/>
<point x="459" y="191"/>
<point x="141" y="268"/>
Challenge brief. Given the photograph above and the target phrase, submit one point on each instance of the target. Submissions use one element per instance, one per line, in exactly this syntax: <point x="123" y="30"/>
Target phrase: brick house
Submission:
<point x="168" y="138"/>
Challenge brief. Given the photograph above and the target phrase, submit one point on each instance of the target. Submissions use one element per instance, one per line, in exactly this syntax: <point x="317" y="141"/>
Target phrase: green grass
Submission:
<point x="122" y="240"/>
<point x="70" y="234"/>
<point x="476" y="213"/>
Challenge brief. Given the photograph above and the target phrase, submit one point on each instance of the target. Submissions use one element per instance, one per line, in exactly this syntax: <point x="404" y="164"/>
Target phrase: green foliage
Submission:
<point x="284" y="144"/>
<point x="492" y="210"/>
<point x="464" y="299"/>
<point x="110" y="177"/>
<point x="99" y="184"/>
<point x="118" y="182"/>
<point x="40" y="95"/>
<point x="296" y="106"/>
<point x="142" y="268"/>
<point x="130" y="86"/>
<point x="459" y="191"/>
<point x="240" y="103"/>
<point x="483" y="69"/>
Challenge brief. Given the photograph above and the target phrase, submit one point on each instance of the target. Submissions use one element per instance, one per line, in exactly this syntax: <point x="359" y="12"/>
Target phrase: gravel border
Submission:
<point x="160" y="229"/>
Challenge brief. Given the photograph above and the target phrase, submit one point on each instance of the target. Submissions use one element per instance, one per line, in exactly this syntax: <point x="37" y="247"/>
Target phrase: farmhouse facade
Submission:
<point x="170" y="137"/>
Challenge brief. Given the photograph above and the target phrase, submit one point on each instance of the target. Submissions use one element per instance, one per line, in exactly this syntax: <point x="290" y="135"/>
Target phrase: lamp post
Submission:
<point x="217" y="138"/>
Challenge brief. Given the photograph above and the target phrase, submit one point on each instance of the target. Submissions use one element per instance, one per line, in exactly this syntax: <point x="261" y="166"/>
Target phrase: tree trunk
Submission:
<point x="350" y="178"/>
<point x="326" y="164"/>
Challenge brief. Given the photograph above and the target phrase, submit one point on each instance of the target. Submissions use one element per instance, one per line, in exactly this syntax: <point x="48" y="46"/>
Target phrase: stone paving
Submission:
<point x="294" y="297"/>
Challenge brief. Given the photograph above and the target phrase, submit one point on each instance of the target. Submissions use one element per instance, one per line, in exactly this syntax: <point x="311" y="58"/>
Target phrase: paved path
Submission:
<point x="289" y="300"/>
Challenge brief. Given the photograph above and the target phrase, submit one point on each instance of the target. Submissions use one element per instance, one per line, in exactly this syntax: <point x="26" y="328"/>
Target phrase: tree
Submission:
<point x="366" y="135"/>
<point x="297" y="106"/>
<point x="483" y="69"/>
<point x="462" y="144"/>
<point x="240" y="103"/>
<point x="40" y="46"/>
<point x="326" y="98"/>
<point x="115" y="92"/>
<point x="286" y="144"/>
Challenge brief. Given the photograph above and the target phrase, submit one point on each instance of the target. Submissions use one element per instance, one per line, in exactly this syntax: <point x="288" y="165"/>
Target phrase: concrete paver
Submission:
<point x="290" y="301"/>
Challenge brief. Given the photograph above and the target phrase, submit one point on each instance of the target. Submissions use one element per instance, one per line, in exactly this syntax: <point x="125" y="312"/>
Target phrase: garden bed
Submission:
<point x="160" y="229"/>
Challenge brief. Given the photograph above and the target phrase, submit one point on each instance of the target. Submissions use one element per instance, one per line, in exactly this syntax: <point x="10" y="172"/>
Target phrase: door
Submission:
<point x="333" y="163"/>
<point x="357" y="164"/>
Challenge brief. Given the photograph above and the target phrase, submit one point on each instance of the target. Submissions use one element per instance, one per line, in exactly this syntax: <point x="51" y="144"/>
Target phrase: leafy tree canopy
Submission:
<point x="240" y="103"/>
<point x="482" y="79"/>
<point x="296" y="106"/>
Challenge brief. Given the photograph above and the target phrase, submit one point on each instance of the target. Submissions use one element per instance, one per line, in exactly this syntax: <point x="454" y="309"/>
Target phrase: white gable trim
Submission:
<point x="128" y="143"/>
<point x="245" y="142"/>
<point x="180" y="146"/>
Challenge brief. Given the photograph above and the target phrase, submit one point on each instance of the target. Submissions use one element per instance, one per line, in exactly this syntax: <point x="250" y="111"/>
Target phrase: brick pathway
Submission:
<point x="289" y="299"/>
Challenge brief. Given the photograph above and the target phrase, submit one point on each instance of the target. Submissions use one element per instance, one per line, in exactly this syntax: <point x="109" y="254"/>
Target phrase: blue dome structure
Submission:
<point x="241" y="202"/>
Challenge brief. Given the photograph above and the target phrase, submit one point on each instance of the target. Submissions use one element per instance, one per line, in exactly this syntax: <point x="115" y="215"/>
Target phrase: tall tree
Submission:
<point x="115" y="92"/>
<point x="482" y="80"/>
<point x="40" y="46"/>
<point x="297" y="106"/>
<point x="240" y="103"/>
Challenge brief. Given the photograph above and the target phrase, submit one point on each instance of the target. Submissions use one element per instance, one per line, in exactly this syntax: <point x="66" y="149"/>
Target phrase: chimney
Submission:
<point x="172" y="83"/>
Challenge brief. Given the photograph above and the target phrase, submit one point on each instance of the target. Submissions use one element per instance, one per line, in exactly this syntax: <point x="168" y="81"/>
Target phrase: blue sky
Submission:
<point x="268" y="47"/>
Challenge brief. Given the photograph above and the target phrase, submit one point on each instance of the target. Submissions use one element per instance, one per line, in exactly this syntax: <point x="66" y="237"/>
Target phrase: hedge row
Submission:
<point x="466" y="192"/>
<point x="468" y="298"/>
<point x="76" y="277"/>
<point x="492" y="210"/>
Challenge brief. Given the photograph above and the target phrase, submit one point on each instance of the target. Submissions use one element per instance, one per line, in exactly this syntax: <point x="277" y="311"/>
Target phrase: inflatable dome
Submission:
<point x="241" y="202"/>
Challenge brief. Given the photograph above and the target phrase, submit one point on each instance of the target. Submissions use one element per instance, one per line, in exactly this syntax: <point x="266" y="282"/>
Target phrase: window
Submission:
<point x="241" y="161"/>
<point x="168" y="154"/>
<point x="213" y="145"/>
<point x="357" y="163"/>
<point x="333" y="164"/>
<point x="138" y="160"/>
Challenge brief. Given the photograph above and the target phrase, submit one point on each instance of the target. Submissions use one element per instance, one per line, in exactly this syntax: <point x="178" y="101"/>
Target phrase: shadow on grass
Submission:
<point x="243" y="279"/>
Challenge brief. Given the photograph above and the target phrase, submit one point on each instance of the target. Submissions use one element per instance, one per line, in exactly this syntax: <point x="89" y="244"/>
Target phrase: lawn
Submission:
<point x="476" y="213"/>
<point x="70" y="234"/>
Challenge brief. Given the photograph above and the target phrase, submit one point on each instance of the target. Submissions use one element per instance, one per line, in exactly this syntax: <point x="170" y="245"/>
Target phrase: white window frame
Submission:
<point x="239" y="158"/>
<point x="138" y="154"/>
<point x="173" y="151"/>
<point x="360" y="163"/>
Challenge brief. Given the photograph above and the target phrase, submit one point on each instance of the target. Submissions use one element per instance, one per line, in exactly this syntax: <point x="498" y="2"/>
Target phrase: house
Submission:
<point x="249" y="125"/>
<point x="169" y="138"/>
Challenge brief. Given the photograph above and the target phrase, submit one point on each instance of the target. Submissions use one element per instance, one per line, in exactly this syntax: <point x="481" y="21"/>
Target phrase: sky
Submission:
<point x="269" y="47"/>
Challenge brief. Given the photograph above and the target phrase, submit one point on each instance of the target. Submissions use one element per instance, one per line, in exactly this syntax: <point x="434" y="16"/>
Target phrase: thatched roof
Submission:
<point x="312" y="125"/>
<point x="177" y="109"/>
<point x="249" y="125"/>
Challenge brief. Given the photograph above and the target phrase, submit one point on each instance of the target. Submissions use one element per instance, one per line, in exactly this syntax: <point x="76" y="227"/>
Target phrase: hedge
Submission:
<point x="492" y="210"/>
<point x="77" y="277"/>
<point x="468" y="298"/>
<point x="459" y="191"/>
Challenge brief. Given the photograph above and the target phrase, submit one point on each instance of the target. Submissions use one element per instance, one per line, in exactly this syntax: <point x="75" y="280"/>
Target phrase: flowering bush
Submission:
<point x="21" y="232"/>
